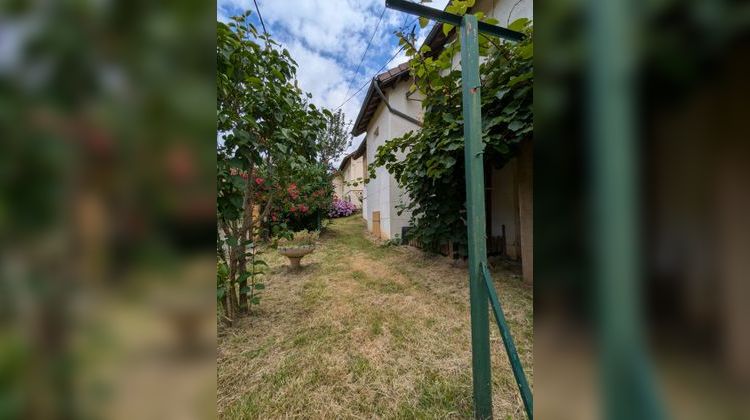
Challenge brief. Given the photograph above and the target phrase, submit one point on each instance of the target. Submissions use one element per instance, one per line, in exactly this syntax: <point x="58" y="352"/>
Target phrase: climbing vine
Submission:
<point x="429" y="163"/>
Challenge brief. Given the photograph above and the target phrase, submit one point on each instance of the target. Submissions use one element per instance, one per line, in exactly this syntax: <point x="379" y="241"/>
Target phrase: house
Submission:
<point x="348" y="183"/>
<point x="509" y="189"/>
<point x="338" y="185"/>
<point x="388" y="111"/>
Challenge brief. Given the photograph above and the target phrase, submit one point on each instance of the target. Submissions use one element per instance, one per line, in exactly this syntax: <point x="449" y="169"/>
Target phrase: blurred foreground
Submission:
<point x="107" y="210"/>
<point x="667" y="332"/>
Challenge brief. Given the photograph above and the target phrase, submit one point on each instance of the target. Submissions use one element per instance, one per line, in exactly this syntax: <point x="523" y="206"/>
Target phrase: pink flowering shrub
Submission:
<point x="341" y="208"/>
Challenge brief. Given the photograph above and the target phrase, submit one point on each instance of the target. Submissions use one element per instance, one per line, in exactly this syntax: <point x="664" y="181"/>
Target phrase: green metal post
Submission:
<point x="473" y="157"/>
<point x="629" y="388"/>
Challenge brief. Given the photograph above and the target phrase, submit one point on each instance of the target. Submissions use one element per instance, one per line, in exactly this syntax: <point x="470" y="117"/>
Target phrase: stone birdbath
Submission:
<point x="295" y="254"/>
<point x="297" y="246"/>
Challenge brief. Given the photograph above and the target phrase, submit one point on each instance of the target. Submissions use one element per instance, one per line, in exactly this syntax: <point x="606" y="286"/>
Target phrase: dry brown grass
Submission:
<point x="366" y="331"/>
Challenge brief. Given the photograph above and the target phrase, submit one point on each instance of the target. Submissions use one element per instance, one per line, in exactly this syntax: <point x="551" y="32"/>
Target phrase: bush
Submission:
<point x="298" y="239"/>
<point x="341" y="208"/>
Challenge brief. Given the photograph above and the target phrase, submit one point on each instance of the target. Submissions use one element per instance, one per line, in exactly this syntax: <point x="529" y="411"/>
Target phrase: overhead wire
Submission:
<point x="260" y="16"/>
<point x="364" y="54"/>
<point x="403" y="28"/>
<point x="368" y="81"/>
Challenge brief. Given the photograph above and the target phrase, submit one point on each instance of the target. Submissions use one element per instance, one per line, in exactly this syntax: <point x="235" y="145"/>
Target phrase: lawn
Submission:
<point x="366" y="331"/>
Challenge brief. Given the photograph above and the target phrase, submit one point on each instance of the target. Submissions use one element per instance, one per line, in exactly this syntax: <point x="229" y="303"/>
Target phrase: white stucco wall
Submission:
<point x="353" y="173"/>
<point x="501" y="9"/>
<point x="338" y="186"/>
<point x="397" y="97"/>
<point x="365" y="207"/>
<point x="377" y="189"/>
<point x="505" y="207"/>
<point x="383" y="193"/>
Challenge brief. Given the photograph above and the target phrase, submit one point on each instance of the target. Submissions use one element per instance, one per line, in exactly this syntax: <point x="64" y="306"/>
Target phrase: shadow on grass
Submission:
<point x="303" y="269"/>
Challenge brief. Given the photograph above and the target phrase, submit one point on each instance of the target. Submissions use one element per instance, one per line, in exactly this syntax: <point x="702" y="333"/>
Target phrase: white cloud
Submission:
<point x="327" y="39"/>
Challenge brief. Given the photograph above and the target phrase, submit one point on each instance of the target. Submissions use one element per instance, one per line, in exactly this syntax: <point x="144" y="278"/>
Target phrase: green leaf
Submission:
<point x="518" y="24"/>
<point x="222" y="270"/>
<point x="518" y="79"/>
<point x="423" y="21"/>
<point x="526" y="51"/>
<point x="501" y="93"/>
<point x="259" y="286"/>
<point x="515" y="125"/>
<point x="447" y="28"/>
<point x="231" y="240"/>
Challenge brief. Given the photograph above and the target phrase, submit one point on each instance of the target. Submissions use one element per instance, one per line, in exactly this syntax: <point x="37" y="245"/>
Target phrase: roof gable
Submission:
<point x="386" y="79"/>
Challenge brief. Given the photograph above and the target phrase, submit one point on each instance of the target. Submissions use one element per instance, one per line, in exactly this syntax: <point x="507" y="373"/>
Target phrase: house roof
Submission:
<point x="360" y="149"/>
<point x="372" y="100"/>
<point x="345" y="161"/>
<point x="436" y="40"/>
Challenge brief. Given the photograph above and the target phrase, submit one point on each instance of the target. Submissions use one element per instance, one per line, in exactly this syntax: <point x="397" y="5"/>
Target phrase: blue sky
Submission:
<point x="327" y="38"/>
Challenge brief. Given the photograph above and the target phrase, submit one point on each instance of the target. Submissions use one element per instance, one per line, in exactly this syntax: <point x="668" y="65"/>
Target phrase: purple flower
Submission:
<point x="341" y="208"/>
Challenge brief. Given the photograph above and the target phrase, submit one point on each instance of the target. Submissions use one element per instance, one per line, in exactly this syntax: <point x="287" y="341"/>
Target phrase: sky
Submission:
<point x="327" y="39"/>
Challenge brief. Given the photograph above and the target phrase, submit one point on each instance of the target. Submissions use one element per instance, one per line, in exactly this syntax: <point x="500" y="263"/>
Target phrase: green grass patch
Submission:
<point x="380" y="284"/>
<point x="359" y="366"/>
<point x="376" y="323"/>
<point x="260" y="351"/>
<point x="402" y="329"/>
<point x="313" y="293"/>
<point x="439" y="396"/>
<point x="319" y="334"/>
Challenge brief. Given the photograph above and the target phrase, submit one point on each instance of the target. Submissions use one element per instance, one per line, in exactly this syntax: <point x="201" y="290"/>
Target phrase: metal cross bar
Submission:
<point x="510" y="346"/>
<point x="451" y="19"/>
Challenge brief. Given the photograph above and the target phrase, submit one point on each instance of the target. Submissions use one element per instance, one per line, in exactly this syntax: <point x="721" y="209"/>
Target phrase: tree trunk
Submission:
<point x="245" y="234"/>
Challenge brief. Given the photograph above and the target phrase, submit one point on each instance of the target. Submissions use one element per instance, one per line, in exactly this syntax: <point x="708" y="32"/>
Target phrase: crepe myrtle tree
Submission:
<point x="335" y="139"/>
<point x="432" y="169"/>
<point x="267" y="126"/>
